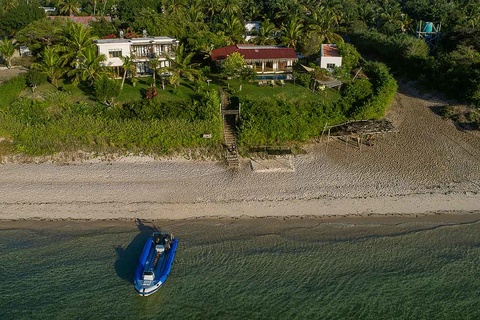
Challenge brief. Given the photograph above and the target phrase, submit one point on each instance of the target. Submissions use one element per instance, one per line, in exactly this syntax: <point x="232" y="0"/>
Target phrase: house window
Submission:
<point x="142" y="51"/>
<point x="331" y="66"/>
<point x="115" y="53"/>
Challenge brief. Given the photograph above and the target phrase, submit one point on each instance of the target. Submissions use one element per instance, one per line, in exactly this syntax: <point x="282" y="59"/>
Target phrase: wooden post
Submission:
<point x="323" y="131"/>
<point x="328" y="139"/>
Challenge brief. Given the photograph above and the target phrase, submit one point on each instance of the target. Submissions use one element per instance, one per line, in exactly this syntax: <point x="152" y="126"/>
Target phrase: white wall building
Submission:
<point x="329" y="57"/>
<point x="251" y="30"/>
<point x="141" y="50"/>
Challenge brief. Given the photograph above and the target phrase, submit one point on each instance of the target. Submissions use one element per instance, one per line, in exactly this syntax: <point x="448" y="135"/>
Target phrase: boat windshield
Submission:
<point x="148" y="275"/>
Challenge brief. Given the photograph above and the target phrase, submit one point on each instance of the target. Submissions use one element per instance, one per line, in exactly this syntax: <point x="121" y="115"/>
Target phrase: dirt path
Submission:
<point x="6" y="74"/>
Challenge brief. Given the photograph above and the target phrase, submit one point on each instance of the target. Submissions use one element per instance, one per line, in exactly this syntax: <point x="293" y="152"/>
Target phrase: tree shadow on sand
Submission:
<point x="127" y="258"/>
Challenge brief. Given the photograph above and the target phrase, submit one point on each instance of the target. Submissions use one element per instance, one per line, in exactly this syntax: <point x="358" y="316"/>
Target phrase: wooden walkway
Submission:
<point x="229" y="137"/>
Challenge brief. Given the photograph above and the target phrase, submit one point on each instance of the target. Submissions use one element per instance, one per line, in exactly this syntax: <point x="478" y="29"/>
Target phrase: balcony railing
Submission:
<point x="141" y="56"/>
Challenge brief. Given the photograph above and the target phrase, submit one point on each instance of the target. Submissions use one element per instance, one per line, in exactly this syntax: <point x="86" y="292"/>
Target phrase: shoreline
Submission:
<point x="406" y="205"/>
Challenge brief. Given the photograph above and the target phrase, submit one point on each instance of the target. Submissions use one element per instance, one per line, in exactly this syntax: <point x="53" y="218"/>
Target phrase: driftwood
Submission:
<point x="362" y="127"/>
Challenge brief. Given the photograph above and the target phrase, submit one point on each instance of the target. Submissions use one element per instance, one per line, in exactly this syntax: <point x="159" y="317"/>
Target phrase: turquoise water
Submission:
<point x="245" y="269"/>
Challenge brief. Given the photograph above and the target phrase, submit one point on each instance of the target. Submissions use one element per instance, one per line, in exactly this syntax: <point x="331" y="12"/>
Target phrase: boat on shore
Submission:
<point x="155" y="263"/>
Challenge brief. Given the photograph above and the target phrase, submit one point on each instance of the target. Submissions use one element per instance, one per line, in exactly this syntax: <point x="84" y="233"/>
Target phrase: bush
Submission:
<point x="10" y="89"/>
<point x="384" y="88"/>
<point x="282" y="120"/>
<point x="35" y="78"/>
<point x="106" y="89"/>
<point x="151" y="93"/>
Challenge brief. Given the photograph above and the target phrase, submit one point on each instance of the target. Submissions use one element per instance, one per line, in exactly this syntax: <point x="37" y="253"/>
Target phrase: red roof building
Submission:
<point x="263" y="59"/>
<point x="85" y="20"/>
<point x="330" y="58"/>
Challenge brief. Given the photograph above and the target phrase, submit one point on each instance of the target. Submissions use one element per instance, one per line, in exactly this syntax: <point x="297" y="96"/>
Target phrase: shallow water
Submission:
<point x="415" y="268"/>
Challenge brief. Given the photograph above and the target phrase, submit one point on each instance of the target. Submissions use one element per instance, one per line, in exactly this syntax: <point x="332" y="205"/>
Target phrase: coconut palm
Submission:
<point x="174" y="6"/>
<point x="266" y="33"/>
<point x="230" y="7"/>
<point x="77" y="40"/>
<point x="234" y="29"/>
<point x="328" y="29"/>
<point x="292" y="32"/>
<point x="128" y="67"/>
<point x="195" y="13"/>
<point x="182" y="64"/>
<point x="9" y="4"/>
<point x="212" y="7"/>
<point x="7" y="49"/>
<point x="52" y="64"/>
<point x="154" y="64"/>
<point x="389" y="16"/>
<point x="90" y="67"/>
<point x="69" y="7"/>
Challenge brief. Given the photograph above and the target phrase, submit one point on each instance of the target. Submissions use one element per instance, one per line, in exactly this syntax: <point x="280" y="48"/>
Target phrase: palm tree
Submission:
<point x="77" y="40"/>
<point x="328" y="30"/>
<point x="90" y="67"/>
<point x="212" y="7"/>
<point x="9" y="4"/>
<point x="230" y="7"/>
<point x="195" y="13"/>
<point x="52" y="64"/>
<point x="266" y="33"/>
<point x="234" y="29"/>
<point x="389" y="16"/>
<point x="153" y="64"/>
<point x="7" y="49"/>
<point x="324" y="22"/>
<point x="292" y="32"/>
<point x="174" y="6"/>
<point x="128" y="67"/>
<point x="182" y="64"/>
<point x="69" y="7"/>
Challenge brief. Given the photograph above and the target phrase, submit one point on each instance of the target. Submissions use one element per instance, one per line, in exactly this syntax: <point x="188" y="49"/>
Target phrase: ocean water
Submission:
<point x="393" y="268"/>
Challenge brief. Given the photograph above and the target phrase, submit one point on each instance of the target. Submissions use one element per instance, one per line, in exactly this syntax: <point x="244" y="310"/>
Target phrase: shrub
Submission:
<point x="151" y="93"/>
<point x="35" y="78"/>
<point x="106" y="89"/>
<point x="384" y="88"/>
<point x="10" y="89"/>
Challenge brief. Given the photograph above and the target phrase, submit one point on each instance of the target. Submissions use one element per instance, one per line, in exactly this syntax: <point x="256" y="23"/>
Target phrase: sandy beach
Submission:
<point x="429" y="166"/>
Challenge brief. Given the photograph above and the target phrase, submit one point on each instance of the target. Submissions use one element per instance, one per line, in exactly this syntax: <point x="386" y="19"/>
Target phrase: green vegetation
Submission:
<point x="65" y="54"/>
<point x="55" y="122"/>
<point x="288" y="114"/>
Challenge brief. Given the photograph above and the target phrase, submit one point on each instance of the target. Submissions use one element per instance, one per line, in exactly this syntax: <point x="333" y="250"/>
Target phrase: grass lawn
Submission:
<point x="185" y="90"/>
<point x="289" y="91"/>
<point x="130" y="93"/>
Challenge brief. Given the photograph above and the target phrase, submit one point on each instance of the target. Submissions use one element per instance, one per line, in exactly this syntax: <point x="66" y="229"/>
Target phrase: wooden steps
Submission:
<point x="231" y="154"/>
<point x="229" y="137"/>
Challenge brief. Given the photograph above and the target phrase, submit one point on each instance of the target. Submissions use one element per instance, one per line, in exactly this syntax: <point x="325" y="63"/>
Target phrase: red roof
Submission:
<point x="330" y="50"/>
<point x="252" y="52"/>
<point x="85" y="20"/>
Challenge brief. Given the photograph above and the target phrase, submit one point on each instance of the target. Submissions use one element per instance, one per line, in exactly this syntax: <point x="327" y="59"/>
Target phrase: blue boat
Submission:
<point x="155" y="263"/>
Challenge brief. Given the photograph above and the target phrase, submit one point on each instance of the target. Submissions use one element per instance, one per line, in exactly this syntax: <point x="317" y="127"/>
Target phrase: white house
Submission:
<point x="329" y="57"/>
<point x="141" y="50"/>
<point x="251" y="30"/>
